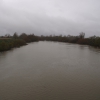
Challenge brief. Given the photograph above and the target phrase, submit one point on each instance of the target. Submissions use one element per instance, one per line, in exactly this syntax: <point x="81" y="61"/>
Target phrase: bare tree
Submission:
<point x="15" y="35"/>
<point x="82" y="35"/>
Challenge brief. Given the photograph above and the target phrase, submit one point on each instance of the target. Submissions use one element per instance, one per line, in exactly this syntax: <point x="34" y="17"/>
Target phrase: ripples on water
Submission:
<point x="50" y="71"/>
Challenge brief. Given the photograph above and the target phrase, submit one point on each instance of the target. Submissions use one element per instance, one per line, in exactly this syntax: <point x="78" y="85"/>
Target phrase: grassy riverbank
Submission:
<point x="16" y="40"/>
<point x="7" y="44"/>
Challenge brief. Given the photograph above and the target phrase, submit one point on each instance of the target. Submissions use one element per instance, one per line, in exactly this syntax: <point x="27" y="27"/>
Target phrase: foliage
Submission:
<point x="15" y="36"/>
<point x="6" y="44"/>
<point x="93" y="41"/>
<point x="28" y="38"/>
<point x="82" y="35"/>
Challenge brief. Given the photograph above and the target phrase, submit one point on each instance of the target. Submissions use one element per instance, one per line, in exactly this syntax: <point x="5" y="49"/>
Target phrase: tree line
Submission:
<point x="80" y="39"/>
<point x="7" y="42"/>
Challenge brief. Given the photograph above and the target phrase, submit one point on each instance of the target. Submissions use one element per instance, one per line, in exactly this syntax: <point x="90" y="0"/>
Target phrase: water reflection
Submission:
<point x="96" y="50"/>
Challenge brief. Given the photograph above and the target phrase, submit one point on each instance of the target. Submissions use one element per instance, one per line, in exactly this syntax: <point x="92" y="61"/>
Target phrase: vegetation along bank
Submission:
<point x="8" y="42"/>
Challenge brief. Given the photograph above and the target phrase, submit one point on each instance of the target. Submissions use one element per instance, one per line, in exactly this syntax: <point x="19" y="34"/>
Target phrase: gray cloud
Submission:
<point x="50" y="17"/>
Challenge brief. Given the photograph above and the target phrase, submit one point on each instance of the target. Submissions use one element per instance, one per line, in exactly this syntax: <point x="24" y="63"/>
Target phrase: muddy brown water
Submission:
<point x="50" y="71"/>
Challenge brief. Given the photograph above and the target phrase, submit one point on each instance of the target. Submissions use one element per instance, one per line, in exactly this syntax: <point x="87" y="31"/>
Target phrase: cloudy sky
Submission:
<point x="45" y="17"/>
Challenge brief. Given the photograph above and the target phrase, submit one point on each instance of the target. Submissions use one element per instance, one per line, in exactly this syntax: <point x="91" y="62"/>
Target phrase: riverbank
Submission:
<point x="91" y="41"/>
<point x="7" y="44"/>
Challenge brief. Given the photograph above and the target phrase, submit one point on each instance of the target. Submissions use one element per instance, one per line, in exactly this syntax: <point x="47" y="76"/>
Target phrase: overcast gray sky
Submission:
<point x="45" y="17"/>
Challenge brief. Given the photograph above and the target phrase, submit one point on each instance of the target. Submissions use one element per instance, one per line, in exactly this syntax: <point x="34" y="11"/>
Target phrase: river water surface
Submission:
<point x="50" y="71"/>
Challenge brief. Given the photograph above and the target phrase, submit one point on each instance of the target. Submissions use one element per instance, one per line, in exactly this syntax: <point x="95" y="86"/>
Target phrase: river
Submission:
<point x="50" y="71"/>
